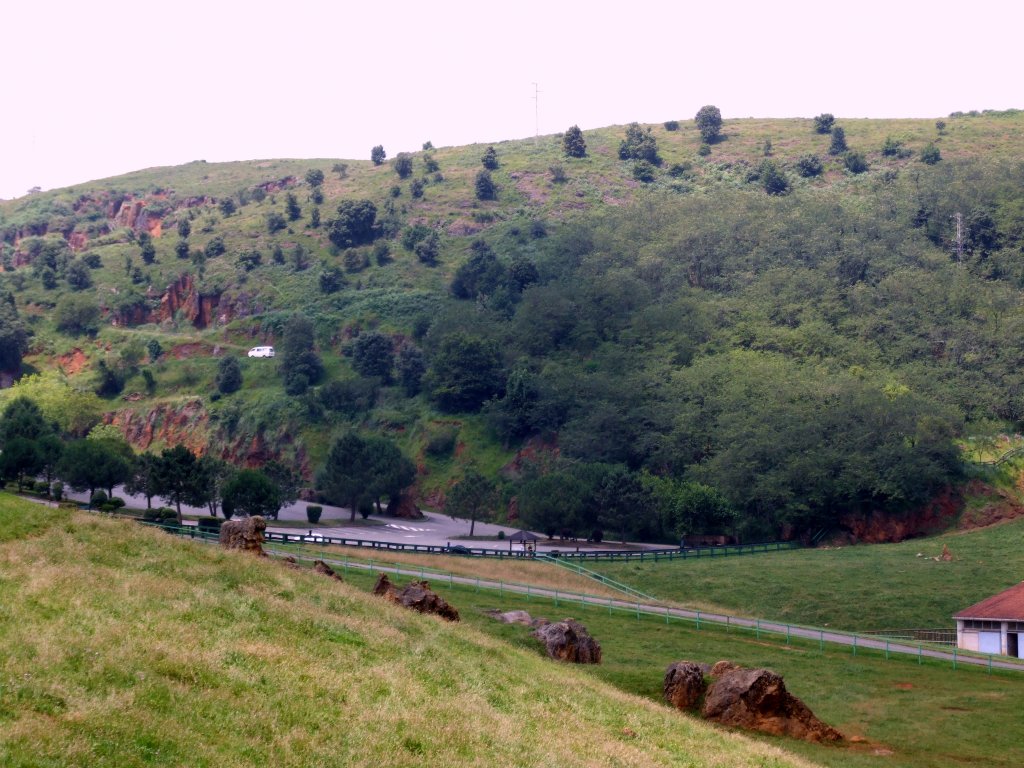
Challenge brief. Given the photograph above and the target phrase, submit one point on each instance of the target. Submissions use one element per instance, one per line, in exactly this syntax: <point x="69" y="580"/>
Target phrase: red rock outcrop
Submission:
<point x="878" y="527"/>
<point x="181" y="295"/>
<point x="417" y="595"/>
<point x="684" y="684"/>
<point x="757" y="699"/>
<point x="167" y="423"/>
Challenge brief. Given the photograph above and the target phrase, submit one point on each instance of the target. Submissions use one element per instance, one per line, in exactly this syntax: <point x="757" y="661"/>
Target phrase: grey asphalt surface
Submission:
<point x="436" y="530"/>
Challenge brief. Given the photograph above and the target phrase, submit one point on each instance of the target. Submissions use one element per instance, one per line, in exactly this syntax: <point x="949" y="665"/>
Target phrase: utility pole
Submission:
<point x="536" y="114"/>
<point x="959" y="243"/>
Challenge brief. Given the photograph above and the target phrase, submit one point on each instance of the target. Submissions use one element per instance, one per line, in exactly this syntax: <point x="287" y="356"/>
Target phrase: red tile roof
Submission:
<point x="1008" y="605"/>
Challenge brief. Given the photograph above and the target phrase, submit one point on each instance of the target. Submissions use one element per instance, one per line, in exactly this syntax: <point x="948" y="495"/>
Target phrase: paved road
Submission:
<point x="434" y="530"/>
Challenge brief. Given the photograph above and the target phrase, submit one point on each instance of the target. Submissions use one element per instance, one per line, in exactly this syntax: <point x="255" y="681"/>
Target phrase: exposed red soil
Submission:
<point x="72" y="362"/>
<point x="191" y="349"/>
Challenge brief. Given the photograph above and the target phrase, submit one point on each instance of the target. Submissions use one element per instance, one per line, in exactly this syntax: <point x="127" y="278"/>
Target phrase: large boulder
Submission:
<point x="684" y="684"/>
<point x="324" y="569"/>
<point x="757" y="699"/>
<point x="416" y="595"/>
<point x="245" y="534"/>
<point x="568" y="640"/>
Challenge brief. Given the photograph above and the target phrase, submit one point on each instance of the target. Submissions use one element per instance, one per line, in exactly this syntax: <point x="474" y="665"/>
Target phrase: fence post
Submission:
<point x="854" y="645"/>
<point x="757" y="628"/>
<point x="954" y="658"/>
<point x="919" y="655"/>
<point x="990" y="663"/>
<point x="787" y="634"/>
<point x="609" y="606"/>
<point x="698" y="619"/>
<point x="726" y="623"/>
<point x="887" y="649"/>
<point x="821" y="639"/>
<point x="666" y="614"/>
<point x="638" y="610"/>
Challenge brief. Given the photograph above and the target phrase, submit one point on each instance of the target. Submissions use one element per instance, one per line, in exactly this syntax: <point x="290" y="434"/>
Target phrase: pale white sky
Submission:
<point x="94" y="89"/>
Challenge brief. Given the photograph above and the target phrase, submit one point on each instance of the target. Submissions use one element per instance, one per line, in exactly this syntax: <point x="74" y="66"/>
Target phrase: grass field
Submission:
<point x="882" y="586"/>
<point x="120" y="646"/>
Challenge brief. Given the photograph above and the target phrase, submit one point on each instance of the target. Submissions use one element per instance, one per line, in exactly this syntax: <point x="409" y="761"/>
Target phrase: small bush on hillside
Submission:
<point x="430" y="164"/>
<point x="317" y="196"/>
<point x="314" y="177"/>
<point x="355" y="260"/>
<point x="838" y="145"/>
<point x="773" y="179"/>
<point x="381" y="253"/>
<point x="429" y="248"/>
<point x="484" y="186"/>
<point x="823" y="123"/>
<point x="313" y="513"/>
<point x="558" y="174"/>
<point x="342" y="168"/>
<point x="671" y="125"/>
<point x="377" y="155"/>
<point x="215" y="247"/>
<point x="227" y="206"/>
<point x="940" y="126"/>
<point x="704" y="150"/>
<point x="709" y="122"/>
<point x="229" y="375"/>
<point x="489" y="159"/>
<point x="314" y="218"/>
<point x="855" y="162"/>
<point x="678" y="170"/>
<point x="639" y="144"/>
<point x="891" y="147"/>
<point x="930" y="155"/>
<point x="427" y="145"/>
<point x="402" y="165"/>
<point x="416" y="188"/>
<point x="643" y="171"/>
<point x="441" y="443"/>
<point x="396" y="190"/>
<point x="181" y="249"/>
<point x="809" y="166"/>
<point x="331" y="280"/>
<point x="573" y="143"/>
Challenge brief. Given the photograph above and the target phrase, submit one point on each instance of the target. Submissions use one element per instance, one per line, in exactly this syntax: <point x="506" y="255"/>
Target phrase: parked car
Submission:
<point x="261" y="352"/>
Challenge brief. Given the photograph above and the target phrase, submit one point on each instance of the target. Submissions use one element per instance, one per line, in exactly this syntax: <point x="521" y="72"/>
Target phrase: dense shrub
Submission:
<point x="855" y="162"/>
<point x="484" y="186"/>
<point x="402" y="165"/>
<point x="838" y="144"/>
<point x="573" y="143"/>
<point x="709" y="122"/>
<point x="930" y="155"/>
<point x="823" y="123"/>
<point x="643" y="171"/>
<point x="489" y="160"/>
<point x="639" y="144"/>
<point x="313" y="513"/>
<point x="671" y="125"/>
<point x="377" y="155"/>
<point x="809" y="166"/>
<point x="229" y="375"/>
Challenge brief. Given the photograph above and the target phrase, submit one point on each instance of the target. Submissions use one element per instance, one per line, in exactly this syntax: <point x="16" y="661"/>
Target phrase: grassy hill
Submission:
<point x="652" y="317"/>
<point x="122" y="647"/>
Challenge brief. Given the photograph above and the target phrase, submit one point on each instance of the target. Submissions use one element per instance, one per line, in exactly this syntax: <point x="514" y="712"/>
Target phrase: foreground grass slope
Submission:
<point x="882" y="586"/>
<point x="122" y="647"/>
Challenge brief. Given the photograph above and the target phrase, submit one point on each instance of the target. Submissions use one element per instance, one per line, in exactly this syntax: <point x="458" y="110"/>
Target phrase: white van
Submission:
<point x="261" y="352"/>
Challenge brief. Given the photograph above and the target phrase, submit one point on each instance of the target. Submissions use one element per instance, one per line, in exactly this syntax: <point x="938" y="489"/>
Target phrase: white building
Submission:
<point x="995" y="625"/>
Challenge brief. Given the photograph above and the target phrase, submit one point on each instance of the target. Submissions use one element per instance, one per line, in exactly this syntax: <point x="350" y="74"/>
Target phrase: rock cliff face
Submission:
<point x="878" y="527"/>
<point x="199" y="309"/>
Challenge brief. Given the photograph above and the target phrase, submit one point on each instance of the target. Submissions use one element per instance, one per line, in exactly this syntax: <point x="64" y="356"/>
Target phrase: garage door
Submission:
<point x="989" y="642"/>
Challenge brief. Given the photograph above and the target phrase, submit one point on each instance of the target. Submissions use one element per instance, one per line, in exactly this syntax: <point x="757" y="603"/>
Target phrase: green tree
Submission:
<point x="773" y="178"/>
<point x="285" y="478"/>
<point x="146" y="248"/>
<point x="639" y="144"/>
<point x="314" y="177"/>
<point x="181" y="249"/>
<point x="373" y="355"/>
<point x="250" y="493"/>
<point x="855" y="162"/>
<point x="212" y="474"/>
<point x="465" y="372"/>
<point x="378" y="155"/>
<point x="20" y="459"/>
<point x="355" y="224"/>
<point x="300" y="364"/>
<point x="154" y="349"/>
<point x="184" y="228"/>
<point x="227" y="206"/>
<point x="823" y="123"/>
<point x="13" y="334"/>
<point x="838" y="144"/>
<point x="484" y="186"/>
<point x="88" y="465"/>
<point x="177" y="476"/>
<point x="275" y="222"/>
<point x="229" y="375"/>
<point x="621" y="501"/>
<point x="482" y="273"/>
<point x="429" y="248"/>
<point x="472" y="498"/>
<point x="77" y="314"/>
<point x="930" y="155"/>
<point x="552" y="503"/>
<point x="314" y="218"/>
<point x="23" y="418"/>
<point x="142" y="480"/>
<point x="402" y="165"/>
<point x="489" y="159"/>
<point x="809" y="166"/>
<point x="392" y="471"/>
<point x="77" y="275"/>
<point x="349" y="472"/>
<point x="573" y="143"/>
<point x="411" y="366"/>
<point x="709" y="122"/>
<point x="291" y="207"/>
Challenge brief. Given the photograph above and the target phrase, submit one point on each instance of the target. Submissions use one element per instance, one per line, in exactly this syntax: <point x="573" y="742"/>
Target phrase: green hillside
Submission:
<point x="122" y="647"/>
<point x="721" y="337"/>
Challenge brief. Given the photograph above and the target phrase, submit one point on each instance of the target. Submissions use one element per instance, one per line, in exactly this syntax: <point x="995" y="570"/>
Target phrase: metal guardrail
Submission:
<point x="857" y="642"/>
